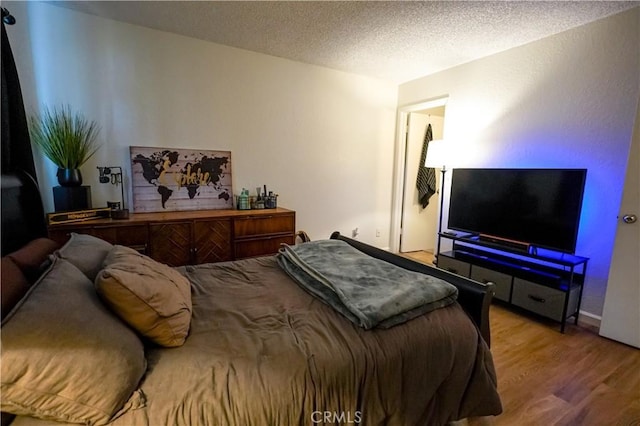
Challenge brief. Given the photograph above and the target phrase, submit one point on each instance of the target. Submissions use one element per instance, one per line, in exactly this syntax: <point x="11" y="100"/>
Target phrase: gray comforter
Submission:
<point x="370" y="292"/>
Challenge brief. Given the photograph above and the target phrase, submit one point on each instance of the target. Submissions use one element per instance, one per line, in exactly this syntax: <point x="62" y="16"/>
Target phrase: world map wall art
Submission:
<point x="168" y="179"/>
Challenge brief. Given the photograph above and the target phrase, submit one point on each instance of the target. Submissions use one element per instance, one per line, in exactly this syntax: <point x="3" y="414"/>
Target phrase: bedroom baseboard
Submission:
<point x="589" y="319"/>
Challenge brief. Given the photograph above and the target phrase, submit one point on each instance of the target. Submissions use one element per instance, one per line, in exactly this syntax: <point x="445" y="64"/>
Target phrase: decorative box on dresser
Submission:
<point x="192" y="237"/>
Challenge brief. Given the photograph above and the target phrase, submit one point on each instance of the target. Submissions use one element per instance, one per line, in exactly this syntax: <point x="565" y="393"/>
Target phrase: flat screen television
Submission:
<point x="537" y="207"/>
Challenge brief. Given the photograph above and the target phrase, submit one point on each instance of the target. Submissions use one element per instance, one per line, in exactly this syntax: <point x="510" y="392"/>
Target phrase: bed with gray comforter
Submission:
<point x="264" y="350"/>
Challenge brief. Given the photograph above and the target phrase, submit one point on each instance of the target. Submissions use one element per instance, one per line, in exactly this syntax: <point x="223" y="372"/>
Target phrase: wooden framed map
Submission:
<point x="169" y="179"/>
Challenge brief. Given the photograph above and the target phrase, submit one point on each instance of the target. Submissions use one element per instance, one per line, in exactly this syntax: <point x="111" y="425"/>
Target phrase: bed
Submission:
<point x="244" y="344"/>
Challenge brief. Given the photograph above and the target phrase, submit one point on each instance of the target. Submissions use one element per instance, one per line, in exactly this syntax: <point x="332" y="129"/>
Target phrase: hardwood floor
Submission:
<point x="420" y="256"/>
<point x="549" y="378"/>
<point x="576" y="378"/>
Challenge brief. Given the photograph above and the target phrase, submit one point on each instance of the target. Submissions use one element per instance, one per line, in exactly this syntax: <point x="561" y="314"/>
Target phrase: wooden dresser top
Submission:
<point x="135" y="218"/>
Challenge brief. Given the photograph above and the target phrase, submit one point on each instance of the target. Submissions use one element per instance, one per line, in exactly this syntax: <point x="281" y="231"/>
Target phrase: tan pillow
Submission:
<point x="86" y="253"/>
<point x="151" y="297"/>
<point x="64" y="356"/>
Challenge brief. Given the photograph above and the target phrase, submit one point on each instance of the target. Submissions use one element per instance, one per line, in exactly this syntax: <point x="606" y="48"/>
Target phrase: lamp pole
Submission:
<point x="442" y="171"/>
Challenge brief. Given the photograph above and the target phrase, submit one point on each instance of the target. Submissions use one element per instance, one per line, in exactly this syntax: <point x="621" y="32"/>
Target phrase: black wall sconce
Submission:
<point x="113" y="175"/>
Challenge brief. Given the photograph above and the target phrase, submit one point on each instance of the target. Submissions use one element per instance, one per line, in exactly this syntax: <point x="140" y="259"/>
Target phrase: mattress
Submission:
<point x="262" y="351"/>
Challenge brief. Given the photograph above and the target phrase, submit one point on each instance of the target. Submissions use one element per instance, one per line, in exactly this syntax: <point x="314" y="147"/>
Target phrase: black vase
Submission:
<point x="69" y="177"/>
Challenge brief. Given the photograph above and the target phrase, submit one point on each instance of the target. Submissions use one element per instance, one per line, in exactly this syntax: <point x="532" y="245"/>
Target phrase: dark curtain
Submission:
<point x="426" y="182"/>
<point x="16" y="144"/>
<point x="22" y="211"/>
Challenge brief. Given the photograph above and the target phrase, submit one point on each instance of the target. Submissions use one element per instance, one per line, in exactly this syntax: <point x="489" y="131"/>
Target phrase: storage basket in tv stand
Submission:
<point x="549" y="285"/>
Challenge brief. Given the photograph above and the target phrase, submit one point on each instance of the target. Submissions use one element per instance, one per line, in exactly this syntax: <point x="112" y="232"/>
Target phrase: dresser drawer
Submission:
<point x="261" y="246"/>
<point x="502" y="282"/>
<point x="542" y="300"/>
<point x="263" y="225"/>
<point x="454" y="265"/>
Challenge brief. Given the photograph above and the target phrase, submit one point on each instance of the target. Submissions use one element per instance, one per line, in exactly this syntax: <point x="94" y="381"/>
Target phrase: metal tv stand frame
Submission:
<point x="543" y="282"/>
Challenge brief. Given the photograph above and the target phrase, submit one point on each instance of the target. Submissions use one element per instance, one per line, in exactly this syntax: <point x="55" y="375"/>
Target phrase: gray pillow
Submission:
<point x="65" y="356"/>
<point x="85" y="252"/>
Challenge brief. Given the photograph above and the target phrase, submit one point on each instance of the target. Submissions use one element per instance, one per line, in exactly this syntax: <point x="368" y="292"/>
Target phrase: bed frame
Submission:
<point x="474" y="297"/>
<point x="23" y="221"/>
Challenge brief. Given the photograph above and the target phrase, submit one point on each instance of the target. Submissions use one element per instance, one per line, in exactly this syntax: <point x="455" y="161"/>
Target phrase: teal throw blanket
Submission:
<point x="368" y="291"/>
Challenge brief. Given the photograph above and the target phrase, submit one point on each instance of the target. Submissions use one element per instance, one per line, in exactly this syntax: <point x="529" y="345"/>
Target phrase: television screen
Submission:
<point x="540" y="207"/>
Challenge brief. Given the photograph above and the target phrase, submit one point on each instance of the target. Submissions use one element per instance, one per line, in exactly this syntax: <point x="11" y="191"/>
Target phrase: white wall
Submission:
<point x="322" y="139"/>
<point x="563" y="101"/>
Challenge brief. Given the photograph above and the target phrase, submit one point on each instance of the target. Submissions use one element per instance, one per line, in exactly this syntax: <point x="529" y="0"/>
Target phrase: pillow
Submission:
<point x="151" y="297"/>
<point x="85" y="252"/>
<point x="65" y="357"/>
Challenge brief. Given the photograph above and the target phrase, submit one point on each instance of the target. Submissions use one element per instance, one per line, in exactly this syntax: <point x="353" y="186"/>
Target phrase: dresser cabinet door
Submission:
<point x="170" y="243"/>
<point x="61" y="235"/>
<point x="212" y="240"/>
<point x="134" y="236"/>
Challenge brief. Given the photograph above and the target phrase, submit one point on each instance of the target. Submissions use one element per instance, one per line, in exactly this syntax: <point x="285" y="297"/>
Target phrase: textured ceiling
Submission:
<point x="396" y="41"/>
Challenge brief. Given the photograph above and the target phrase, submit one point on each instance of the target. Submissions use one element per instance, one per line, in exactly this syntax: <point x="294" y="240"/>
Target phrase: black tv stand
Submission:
<point x="549" y="284"/>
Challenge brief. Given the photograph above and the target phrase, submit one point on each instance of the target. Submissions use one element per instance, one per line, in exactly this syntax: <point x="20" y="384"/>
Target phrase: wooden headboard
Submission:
<point x="22" y="222"/>
<point x="22" y="211"/>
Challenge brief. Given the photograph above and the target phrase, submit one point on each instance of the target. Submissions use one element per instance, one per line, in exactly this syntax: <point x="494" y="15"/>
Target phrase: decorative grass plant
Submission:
<point x="67" y="139"/>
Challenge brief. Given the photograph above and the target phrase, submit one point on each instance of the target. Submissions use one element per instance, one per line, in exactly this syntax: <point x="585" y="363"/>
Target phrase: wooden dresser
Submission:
<point x="192" y="237"/>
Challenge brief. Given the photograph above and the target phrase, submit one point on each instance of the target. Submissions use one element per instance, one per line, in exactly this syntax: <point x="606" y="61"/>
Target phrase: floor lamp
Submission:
<point x="436" y="157"/>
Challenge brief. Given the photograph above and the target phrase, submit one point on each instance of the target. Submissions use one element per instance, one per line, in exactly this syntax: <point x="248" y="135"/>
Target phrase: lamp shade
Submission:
<point x="436" y="154"/>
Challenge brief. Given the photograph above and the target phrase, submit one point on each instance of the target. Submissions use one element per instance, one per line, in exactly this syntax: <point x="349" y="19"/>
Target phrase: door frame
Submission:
<point x="399" y="168"/>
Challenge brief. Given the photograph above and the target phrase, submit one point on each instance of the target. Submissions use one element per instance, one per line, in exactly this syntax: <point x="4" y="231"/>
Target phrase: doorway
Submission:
<point x="413" y="227"/>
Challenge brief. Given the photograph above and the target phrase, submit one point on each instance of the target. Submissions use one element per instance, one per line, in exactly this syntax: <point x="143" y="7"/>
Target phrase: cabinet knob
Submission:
<point x="629" y="218"/>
